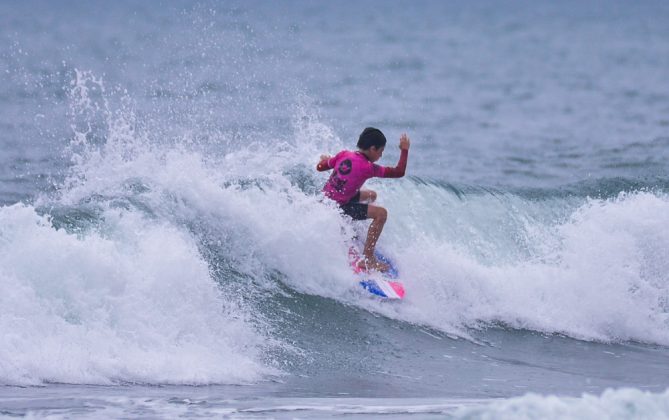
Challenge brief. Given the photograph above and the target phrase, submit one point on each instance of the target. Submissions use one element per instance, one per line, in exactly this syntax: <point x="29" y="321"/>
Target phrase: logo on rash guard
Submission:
<point x="345" y="167"/>
<point x="337" y="183"/>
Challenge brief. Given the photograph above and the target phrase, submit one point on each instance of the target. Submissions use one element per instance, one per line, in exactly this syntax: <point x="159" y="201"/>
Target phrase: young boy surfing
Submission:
<point x="351" y="170"/>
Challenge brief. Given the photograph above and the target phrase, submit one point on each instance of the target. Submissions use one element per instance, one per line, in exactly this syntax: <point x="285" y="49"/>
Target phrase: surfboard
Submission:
<point x="384" y="285"/>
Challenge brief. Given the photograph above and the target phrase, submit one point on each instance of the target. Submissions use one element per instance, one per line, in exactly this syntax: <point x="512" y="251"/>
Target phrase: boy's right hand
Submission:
<point x="404" y="142"/>
<point x="323" y="163"/>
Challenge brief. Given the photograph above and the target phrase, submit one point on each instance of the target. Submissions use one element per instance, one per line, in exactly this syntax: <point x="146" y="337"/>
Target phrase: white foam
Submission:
<point x="612" y="404"/>
<point x="134" y="305"/>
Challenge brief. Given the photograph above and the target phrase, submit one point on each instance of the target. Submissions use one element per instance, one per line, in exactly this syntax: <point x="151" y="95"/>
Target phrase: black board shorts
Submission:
<point x="355" y="209"/>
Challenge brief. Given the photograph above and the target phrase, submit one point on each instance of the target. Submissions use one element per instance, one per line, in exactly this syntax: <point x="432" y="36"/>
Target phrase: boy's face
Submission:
<point x="375" y="153"/>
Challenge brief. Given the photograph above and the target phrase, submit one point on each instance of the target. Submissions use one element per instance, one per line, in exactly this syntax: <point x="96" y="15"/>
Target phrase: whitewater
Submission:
<point x="165" y="248"/>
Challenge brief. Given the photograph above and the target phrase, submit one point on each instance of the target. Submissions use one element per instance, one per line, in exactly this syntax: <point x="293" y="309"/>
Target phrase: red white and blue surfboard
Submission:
<point x="384" y="285"/>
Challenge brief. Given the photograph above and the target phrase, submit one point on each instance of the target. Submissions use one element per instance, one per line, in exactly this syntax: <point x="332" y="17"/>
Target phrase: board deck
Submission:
<point x="384" y="285"/>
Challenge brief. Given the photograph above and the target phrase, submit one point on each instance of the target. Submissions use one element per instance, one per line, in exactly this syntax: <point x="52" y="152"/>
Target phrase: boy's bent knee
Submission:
<point x="379" y="213"/>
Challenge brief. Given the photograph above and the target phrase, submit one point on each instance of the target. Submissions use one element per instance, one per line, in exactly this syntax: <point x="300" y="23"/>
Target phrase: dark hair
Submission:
<point x="371" y="136"/>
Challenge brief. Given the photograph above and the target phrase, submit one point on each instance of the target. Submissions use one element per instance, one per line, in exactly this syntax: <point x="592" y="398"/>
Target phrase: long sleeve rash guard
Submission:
<point x="352" y="169"/>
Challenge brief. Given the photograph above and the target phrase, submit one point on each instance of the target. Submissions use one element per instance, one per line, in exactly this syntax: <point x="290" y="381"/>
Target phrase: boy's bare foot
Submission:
<point x="369" y="264"/>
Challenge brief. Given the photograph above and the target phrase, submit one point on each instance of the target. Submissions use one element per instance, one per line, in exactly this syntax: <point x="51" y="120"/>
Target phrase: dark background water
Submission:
<point x="513" y="94"/>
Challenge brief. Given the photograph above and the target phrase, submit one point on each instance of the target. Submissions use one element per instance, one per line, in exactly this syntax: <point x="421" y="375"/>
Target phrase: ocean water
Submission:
<point x="165" y="250"/>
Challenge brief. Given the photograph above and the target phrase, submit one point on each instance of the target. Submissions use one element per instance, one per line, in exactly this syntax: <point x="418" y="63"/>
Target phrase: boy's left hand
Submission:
<point x="404" y="142"/>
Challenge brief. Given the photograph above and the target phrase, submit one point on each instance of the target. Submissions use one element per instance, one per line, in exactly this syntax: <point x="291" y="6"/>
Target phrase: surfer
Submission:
<point x="351" y="170"/>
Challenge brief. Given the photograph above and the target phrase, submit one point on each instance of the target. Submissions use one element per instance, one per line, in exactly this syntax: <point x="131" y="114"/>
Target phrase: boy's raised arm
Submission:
<point x="399" y="170"/>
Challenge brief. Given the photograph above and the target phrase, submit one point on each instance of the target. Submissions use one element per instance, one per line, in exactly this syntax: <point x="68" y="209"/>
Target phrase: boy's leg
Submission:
<point x="367" y="196"/>
<point x="378" y="216"/>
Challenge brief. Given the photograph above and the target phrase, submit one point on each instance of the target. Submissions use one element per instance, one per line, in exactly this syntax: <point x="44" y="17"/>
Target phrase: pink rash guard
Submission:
<point x="351" y="170"/>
